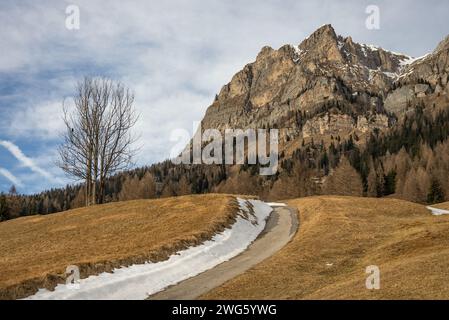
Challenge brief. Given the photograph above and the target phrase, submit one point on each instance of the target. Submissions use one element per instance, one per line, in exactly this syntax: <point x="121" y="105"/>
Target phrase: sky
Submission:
<point x="175" y="55"/>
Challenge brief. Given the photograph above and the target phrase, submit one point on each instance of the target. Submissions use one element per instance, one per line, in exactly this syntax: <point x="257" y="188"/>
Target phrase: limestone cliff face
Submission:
<point x="343" y="124"/>
<point x="328" y="124"/>
<point x="423" y="78"/>
<point x="327" y="85"/>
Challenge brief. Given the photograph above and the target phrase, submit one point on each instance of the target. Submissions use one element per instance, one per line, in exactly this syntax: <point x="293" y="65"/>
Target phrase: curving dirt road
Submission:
<point x="279" y="230"/>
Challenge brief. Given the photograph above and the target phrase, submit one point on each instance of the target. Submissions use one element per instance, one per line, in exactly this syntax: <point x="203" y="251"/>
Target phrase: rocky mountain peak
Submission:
<point x="324" y="34"/>
<point x="265" y="51"/>
<point x="322" y="45"/>
<point x="443" y="45"/>
<point x="328" y="85"/>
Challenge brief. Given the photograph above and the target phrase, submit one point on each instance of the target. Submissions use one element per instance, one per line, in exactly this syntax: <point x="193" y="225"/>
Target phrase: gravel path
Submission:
<point x="280" y="229"/>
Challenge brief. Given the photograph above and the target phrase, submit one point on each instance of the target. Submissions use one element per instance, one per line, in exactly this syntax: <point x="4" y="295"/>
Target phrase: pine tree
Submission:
<point x="389" y="183"/>
<point x="4" y="210"/>
<point x="436" y="193"/>
<point x="13" y="191"/>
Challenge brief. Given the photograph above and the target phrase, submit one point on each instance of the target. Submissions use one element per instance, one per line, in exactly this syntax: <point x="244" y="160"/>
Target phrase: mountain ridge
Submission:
<point x="325" y="68"/>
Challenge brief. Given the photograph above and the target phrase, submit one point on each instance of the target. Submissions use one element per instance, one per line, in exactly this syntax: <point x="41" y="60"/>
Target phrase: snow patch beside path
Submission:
<point x="139" y="281"/>
<point x="437" y="212"/>
<point x="276" y="204"/>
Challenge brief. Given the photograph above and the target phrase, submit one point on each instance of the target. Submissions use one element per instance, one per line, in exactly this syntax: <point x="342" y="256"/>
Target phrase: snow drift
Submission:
<point x="437" y="212"/>
<point x="139" y="281"/>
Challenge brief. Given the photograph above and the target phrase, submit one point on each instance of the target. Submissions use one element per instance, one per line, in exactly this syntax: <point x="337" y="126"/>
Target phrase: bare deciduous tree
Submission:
<point x="98" y="140"/>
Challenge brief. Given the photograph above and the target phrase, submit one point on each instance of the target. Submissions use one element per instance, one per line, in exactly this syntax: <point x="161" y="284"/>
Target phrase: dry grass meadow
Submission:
<point x="338" y="238"/>
<point x="35" y="250"/>
<point x="444" y="206"/>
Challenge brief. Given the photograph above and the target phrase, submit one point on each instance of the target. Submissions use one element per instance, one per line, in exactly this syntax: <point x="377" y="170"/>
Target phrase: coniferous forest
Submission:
<point x="409" y="161"/>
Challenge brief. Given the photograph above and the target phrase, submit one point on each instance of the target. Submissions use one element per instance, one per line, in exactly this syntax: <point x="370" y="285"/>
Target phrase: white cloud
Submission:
<point x="43" y="120"/>
<point x="24" y="160"/>
<point x="12" y="178"/>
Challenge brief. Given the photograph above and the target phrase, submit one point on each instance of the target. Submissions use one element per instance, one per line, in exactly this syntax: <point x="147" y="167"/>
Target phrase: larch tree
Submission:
<point x="148" y="186"/>
<point x="133" y="188"/>
<point x="183" y="187"/>
<point x="372" y="180"/>
<point x="380" y="180"/>
<point x="130" y="189"/>
<point x="411" y="190"/>
<point x="345" y="180"/>
<point x="14" y="206"/>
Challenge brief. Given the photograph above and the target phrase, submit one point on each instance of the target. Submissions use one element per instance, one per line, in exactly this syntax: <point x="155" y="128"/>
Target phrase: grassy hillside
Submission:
<point x="35" y="250"/>
<point x="338" y="238"/>
<point x="444" y="205"/>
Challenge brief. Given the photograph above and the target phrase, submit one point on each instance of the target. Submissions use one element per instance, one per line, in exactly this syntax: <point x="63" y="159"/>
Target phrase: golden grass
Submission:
<point x="444" y="205"/>
<point x="35" y="250"/>
<point x="338" y="238"/>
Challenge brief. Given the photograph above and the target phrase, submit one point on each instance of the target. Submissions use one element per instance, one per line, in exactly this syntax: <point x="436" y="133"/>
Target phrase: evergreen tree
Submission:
<point x="436" y="193"/>
<point x="389" y="183"/>
<point x="4" y="210"/>
<point x="13" y="190"/>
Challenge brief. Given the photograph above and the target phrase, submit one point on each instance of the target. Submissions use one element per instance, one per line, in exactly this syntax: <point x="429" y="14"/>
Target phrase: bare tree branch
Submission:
<point x="98" y="140"/>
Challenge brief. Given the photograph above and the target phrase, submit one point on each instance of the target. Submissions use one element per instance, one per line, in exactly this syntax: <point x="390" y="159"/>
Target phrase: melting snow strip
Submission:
<point x="137" y="282"/>
<point x="437" y="212"/>
<point x="276" y="204"/>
